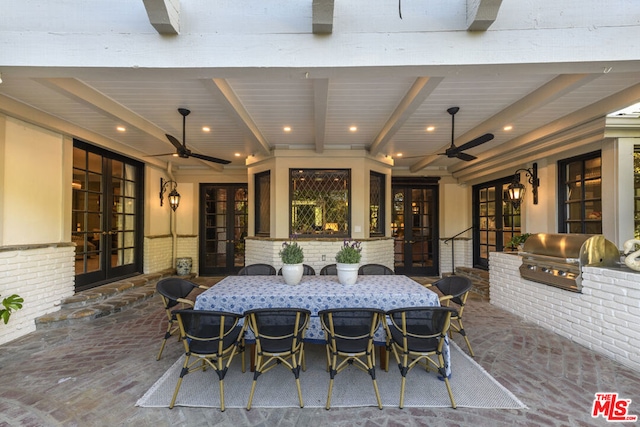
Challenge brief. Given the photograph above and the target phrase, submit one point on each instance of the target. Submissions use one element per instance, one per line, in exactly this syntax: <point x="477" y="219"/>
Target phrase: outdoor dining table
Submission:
<point x="237" y="294"/>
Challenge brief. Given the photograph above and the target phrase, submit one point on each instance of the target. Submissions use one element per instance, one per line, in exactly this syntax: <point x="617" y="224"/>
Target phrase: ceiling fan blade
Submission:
<point x="464" y="156"/>
<point x="475" y="142"/>
<point x="174" y="141"/>
<point x="209" y="158"/>
<point x="163" y="154"/>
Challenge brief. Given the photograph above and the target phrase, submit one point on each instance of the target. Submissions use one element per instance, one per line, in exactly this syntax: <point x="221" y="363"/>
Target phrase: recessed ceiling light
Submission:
<point x="206" y="129"/>
<point x="431" y="128"/>
<point x="287" y="128"/>
<point x="237" y="154"/>
<point x="121" y="129"/>
<point x="353" y="128"/>
<point x="508" y="128"/>
<point x="399" y="155"/>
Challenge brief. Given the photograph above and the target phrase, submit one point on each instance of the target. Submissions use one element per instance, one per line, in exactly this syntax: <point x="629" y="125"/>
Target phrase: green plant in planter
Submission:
<point x="349" y="253"/>
<point x="291" y="253"/>
<point x="517" y="240"/>
<point x="10" y="304"/>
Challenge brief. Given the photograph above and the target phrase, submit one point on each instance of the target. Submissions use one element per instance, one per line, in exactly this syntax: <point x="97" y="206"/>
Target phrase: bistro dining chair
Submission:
<point x="349" y="339"/>
<point x="329" y="270"/>
<point x="307" y="270"/>
<point x="213" y="338"/>
<point x="174" y="291"/>
<point x="279" y="335"/>
<point x="257" y="270"/>
<point x="416" y="336"/>
<point x="375" y="270"/>
<point x="455" y="289"/>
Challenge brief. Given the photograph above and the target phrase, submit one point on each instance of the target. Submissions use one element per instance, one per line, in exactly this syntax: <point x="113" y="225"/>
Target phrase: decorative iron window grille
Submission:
<point x="320" y="201"/>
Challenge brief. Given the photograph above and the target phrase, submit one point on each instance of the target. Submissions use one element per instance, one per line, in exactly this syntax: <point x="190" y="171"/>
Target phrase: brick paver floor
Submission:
<point x="92" y="373"/>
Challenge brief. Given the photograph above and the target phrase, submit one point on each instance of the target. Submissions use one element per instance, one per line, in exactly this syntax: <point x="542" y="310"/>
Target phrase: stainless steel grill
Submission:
<point x="557" y="259"/>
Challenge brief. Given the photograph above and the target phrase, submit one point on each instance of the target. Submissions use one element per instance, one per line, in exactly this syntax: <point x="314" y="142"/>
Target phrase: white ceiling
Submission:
<point x="248" y="109"/>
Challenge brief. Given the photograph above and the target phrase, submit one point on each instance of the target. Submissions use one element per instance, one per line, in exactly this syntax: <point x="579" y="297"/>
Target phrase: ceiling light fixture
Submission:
<point x="287" y="129"/>
<point x="0" y="77"/>
<point x="431" y="128"/>
<point x="206" y="129"/>
<point x="508" y="128"/>
<point x="353" y="128"/>
<point x="121" y="129"/>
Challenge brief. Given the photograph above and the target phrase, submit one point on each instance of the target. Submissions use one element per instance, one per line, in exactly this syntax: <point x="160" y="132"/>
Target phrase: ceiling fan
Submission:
<point x="182" y="150"/>
<point x="457" y="152"/>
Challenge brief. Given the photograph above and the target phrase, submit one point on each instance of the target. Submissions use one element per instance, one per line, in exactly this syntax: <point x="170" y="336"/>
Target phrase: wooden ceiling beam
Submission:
<point x="164" y="15"/>
<point x="322" y="16"/>
<point x="481" y="14"/>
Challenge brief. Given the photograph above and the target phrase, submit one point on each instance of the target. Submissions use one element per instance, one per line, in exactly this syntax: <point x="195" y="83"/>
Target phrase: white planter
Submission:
<point x="292" y="273"/>
<point x="347" y="273"/>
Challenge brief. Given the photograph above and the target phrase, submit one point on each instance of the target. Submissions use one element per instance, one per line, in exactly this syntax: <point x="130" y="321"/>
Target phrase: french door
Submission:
<point x="223" y="228"/>
<point x="495" y="220"/>
<point x="414" y="224"/>
<point x="106" y="215"/>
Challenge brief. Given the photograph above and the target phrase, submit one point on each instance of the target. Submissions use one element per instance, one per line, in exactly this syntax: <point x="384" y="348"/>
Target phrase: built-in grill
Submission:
<point x="557" y="259"/>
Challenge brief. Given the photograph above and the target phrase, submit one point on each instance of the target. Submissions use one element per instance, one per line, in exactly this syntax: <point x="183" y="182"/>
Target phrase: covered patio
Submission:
<point x="92" y="373"/>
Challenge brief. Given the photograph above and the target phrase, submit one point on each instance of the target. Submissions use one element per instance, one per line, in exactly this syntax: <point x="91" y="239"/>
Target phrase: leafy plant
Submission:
<point x="350" y="253"/>
<point x="10" y="304"/>
<point x="291" y="253"/>
<point x="518" y="239"/>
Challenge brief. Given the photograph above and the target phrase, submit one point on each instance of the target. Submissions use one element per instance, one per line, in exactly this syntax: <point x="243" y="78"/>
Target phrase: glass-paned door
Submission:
<point x="106" y="216"/>
<point x="495" y="220"/>
<point x="223" y="228"/>
<point x="414" y="228"/>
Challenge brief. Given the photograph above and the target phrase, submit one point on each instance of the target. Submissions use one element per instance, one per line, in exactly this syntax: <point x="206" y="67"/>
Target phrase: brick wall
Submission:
<point x="377" y="251"/>
<point x="157" y="253"/>
<point x="43" y="276"/>
<point x="463" y="248"/>
<point x="605" y="317"/>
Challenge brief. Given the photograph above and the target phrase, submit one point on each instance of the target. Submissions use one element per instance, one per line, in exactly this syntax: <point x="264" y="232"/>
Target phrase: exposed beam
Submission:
<point x="481" y="14"/>
<point x="413" y="99"/>
<point x="164" y="15"/>
<point x="221" y="89"/>
<point x="322" y="16"/>
<point x="27" y="113"/>
<point x="529" y="143"/>
<point x="85" y="94"/>
<point x="545" y="94"/>
<point x="320" y="105"/>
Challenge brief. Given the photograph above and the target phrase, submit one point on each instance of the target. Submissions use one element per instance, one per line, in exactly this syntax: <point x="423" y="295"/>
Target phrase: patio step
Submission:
<point x="480" y="279"/>
<point x="104" y="300"/>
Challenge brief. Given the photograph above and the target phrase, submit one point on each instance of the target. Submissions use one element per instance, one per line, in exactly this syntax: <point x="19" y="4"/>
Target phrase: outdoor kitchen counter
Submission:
<point x="604" y="316"/>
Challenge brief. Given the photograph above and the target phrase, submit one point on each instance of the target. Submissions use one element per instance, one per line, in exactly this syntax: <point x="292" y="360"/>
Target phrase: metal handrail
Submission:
<point x="453" y="264"/>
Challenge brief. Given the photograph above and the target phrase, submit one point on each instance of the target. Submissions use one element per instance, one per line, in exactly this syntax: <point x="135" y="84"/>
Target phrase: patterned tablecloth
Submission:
<point x="238" y="294"/>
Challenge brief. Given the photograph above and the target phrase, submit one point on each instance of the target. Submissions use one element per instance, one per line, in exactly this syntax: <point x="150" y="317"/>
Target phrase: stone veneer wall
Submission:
<point x="265" y="250"/>
<point x="463" y="254"/>
<point x="158" y="252"/>
<point x="605" y="317"/>
<point x="41" y="274"/>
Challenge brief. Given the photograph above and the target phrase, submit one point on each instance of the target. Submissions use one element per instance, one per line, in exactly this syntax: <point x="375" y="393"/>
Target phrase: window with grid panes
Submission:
<point x="376" y="204"/>
<point x="320" y="202"/>
<point x="263" y="204"/>
<point x="580" y="201"/>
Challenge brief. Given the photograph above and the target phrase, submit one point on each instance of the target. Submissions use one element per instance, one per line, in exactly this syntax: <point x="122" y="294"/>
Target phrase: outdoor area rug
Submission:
<point x="472" y="386"/>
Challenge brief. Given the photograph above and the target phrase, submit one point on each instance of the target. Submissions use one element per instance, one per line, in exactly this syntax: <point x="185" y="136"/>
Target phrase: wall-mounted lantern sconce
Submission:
<point x="174" y="196"/>
<point x="516" y="189"/>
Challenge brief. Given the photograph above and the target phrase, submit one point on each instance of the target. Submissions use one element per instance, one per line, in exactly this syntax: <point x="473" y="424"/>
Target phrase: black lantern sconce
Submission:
<point x="174" y="196"/>
<point x="516" y="189"/>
